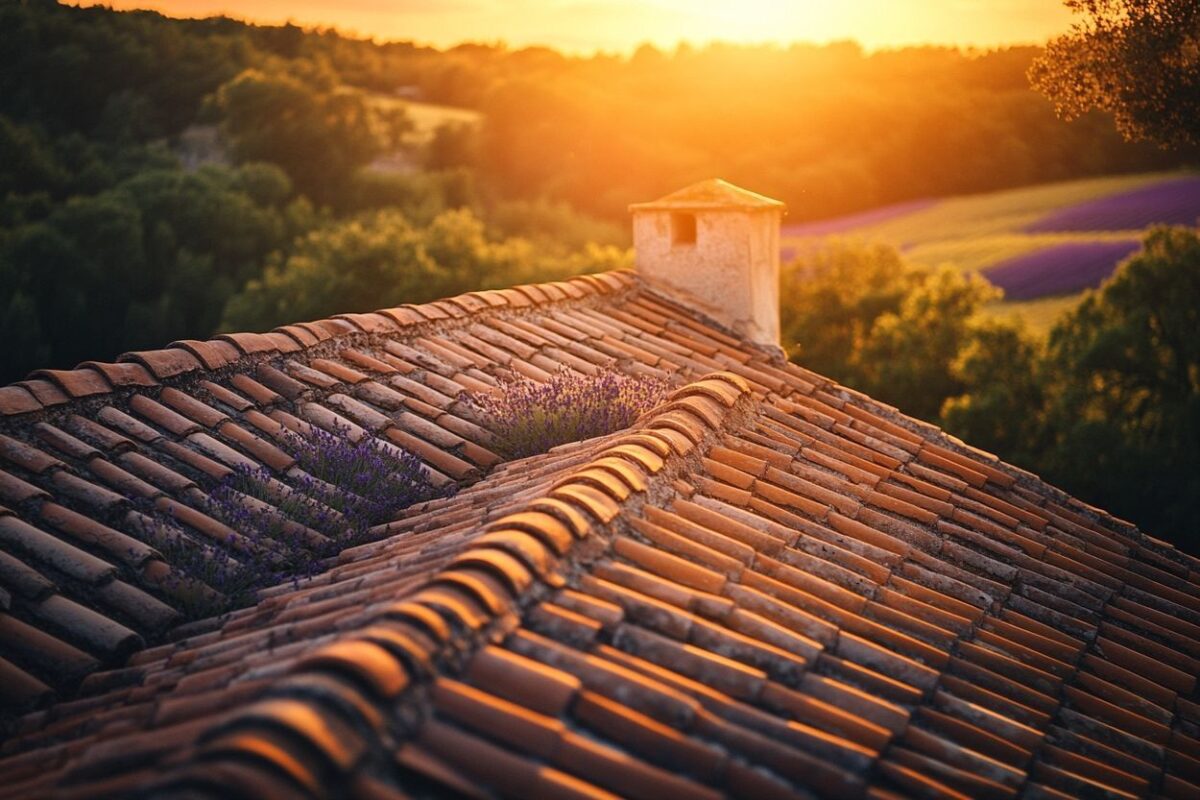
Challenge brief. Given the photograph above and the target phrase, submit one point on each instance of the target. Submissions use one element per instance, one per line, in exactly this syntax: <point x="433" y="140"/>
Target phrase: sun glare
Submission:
<point x="756" y="20"/>
<point x="585" y="26"/>
<point x="741" y="21"/>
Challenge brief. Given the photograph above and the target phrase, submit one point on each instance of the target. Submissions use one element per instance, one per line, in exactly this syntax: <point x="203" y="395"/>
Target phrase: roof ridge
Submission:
<point x="330" y="694"/>
<point x="711" y="194"/>
<point x="46" y="389"/>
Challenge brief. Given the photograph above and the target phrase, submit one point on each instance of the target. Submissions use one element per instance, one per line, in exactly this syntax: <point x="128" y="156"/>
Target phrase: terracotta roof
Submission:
<point x="711" y="194"/>
<point x="770" y="586"/>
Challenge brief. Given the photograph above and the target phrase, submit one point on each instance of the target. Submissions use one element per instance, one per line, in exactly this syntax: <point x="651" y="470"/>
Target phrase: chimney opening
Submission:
<point x="683" y="229"/>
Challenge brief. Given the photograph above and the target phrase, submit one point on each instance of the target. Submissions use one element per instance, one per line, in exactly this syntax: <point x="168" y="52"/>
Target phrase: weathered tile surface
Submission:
<point x="770" y="587"/>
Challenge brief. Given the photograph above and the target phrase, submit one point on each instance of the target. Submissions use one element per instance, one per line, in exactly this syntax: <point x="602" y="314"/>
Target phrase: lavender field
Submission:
<point x="1170" y="202"/>
<point x="1038" y="243"/>
<point x="854" y="222"/>
<point x="1061" y="269"/>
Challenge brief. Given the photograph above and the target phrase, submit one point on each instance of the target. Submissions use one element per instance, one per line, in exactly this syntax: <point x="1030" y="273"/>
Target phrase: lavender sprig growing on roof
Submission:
<point x="367" y="480"/>
<point x="528" y="417"/>
<point x="286" y="524"/>
<point x="203" y="578"/>
<point x="341" y="489"/>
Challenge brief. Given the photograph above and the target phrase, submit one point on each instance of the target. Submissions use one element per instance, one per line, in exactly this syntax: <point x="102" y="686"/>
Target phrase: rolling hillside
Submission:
<point x="1044" y="245"/>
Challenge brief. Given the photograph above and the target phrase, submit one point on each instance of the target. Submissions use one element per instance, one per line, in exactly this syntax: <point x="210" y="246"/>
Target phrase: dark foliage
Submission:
<point x="861" y="315"/>
<point x="1123" y="374"/>
<point x="1138" y="60"/>
<point x="321" y="133"/>
<point x="152" y="259"/>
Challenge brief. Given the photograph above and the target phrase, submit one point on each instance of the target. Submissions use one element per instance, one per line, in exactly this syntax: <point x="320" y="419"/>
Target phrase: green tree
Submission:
<point x="356" y="265"/>
<point x="908" y="358"/>
<point x="453" y="145"/>
<point x="1001" y="407"/>
<point x="27" y="162"/>
<point x="1136" y="59"/>
<point x="830" y="299"/>
<point x="25" y="346"/>
<point x="80" y="268"/>
<point x="380" y="259"/>
<point x="320" y="133"/>
<point x="861" y="315"/>
<point x="153" y="259"/>
<point x="1124" y="385"/>
<point x="234" y="215"/>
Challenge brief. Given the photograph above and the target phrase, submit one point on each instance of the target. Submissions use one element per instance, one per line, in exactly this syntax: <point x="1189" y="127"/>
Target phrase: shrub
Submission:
<point x="349" y="486"/>
<point x="528" y="417"/>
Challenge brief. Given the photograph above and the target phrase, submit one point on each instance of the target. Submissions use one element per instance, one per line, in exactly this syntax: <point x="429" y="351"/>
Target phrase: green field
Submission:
<point x="997" y="213"/>
<point x="1038" y="315"/>
<point x="428" y="117"/>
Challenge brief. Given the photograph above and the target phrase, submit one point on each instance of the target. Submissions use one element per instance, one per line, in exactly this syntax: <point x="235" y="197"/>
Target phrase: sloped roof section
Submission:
<point x="711" y="195"/>
<point x="88" y="457"/>
<point x="769" y="587"/>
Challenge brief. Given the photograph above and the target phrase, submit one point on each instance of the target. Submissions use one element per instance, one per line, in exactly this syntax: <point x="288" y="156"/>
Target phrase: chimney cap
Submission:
<point x="713" y="194"/>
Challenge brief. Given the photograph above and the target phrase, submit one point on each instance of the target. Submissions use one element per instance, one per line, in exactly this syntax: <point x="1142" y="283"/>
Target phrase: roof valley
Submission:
<point x="517" y="563"/>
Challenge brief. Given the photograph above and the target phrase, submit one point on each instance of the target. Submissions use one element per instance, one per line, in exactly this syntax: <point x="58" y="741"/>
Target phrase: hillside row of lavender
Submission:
<point x="1052" y="240"/>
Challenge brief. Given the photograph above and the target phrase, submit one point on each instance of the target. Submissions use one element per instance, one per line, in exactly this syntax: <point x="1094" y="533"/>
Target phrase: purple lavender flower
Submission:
<point x="204" y="579"/>
<point x="528" y="417"/>
<point x="1174" y="201"/>
<point x="851" y="222"/>
<point x="1059" y="269"/>
<point x="340" y="490"/>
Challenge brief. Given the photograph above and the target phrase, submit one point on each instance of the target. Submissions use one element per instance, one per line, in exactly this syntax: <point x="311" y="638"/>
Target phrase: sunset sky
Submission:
<point x="584" y="26"/>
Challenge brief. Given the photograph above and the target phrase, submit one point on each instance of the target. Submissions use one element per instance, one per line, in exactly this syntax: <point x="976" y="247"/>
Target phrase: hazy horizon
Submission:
<point x="589" y="26"/>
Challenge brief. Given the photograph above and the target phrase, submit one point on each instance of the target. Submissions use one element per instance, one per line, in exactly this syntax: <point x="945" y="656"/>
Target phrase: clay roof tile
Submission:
<point x="226" y="396"/>
<point x="163" y="363"/>
<point x="81" y="382"/>
<point x="304" y="335"/>
<point x="124" y="374"/>
<point x="17" y="400"/>
<point x="47" y="393"/>
<point x="212" y="355"/>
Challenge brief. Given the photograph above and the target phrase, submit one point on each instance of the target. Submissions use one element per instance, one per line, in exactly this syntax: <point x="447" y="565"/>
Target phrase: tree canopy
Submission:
<point x="1122" y="377"/>
<point x="1136" y="59"/>
<point x="380" y="258"/>
<point x="317" y="131"/>
<point x="861" y="315"/>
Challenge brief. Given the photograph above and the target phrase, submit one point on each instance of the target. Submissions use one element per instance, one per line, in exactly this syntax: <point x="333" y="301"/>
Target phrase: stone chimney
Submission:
<point x="715" y="247"/>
